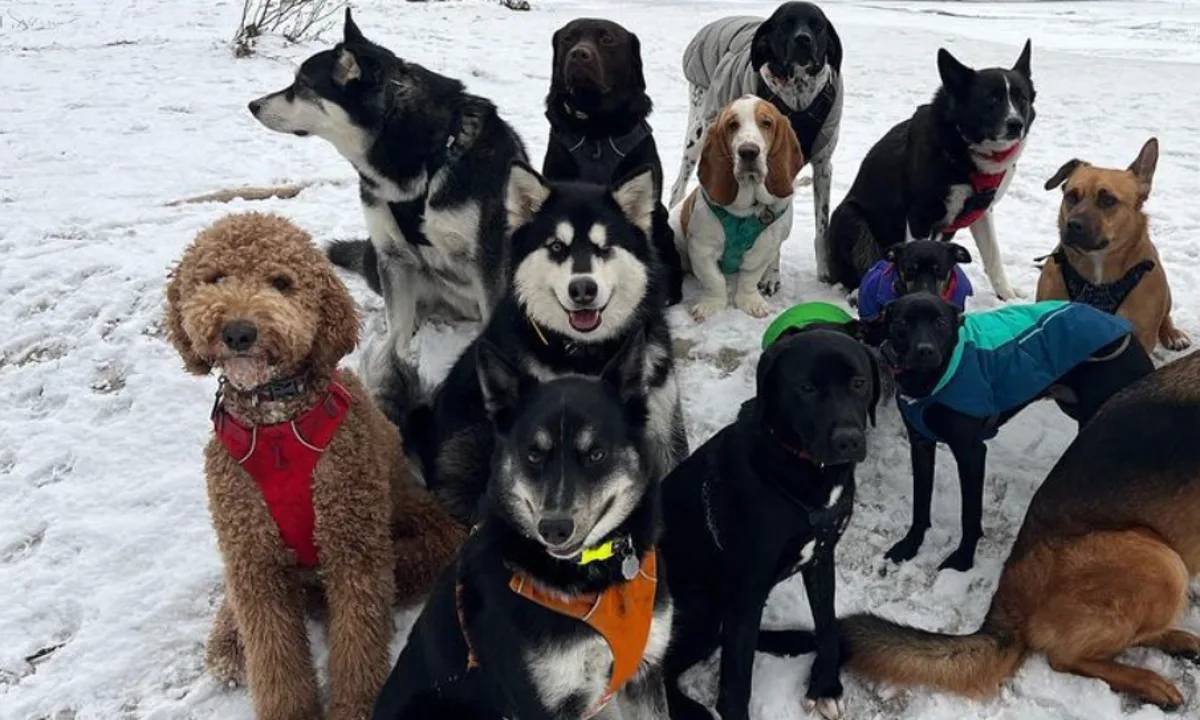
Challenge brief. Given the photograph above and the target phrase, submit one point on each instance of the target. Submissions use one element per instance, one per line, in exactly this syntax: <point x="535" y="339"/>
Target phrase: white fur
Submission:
<point x="834" y="495"/>
<point x="801" y="89"/>
<point x="561" y="670"/>
<point x="701" y="246"/>
<point x="806" y="552"/>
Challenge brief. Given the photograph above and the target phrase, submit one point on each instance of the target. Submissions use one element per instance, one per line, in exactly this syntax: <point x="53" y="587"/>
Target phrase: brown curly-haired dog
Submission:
<point x="254" y="298"/>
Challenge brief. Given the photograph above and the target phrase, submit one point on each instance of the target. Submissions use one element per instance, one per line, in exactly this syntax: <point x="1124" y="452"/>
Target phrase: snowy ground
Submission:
<point x="108" y="568"/>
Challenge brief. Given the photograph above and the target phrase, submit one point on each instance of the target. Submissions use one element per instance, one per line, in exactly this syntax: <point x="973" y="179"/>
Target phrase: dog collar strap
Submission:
<point x="740" y="233"/>
<point x="983" y="194"/>
<point x="622" y="614"/>
<point x="599" y="158"/>
<point x="622" y="546"/>
<point x="271" y="391"/>
<point x="796" y="452"/>
<point x="1107" y="296"/>
<point x="1000" y="155"/>
<point x="806" y="122"/>
<point x="281" y="459"/>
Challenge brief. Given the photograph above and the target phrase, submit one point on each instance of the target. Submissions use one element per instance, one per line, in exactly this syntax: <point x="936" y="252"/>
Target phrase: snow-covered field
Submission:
<point x="109" y="573"/>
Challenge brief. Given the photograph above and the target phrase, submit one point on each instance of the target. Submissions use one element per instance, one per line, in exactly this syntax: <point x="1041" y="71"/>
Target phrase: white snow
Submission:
<point x="108" y="569"/>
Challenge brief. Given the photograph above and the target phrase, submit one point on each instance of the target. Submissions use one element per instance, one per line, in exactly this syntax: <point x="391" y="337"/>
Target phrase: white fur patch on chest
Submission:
<point x="563" y="670"/>
<point x="452" y="233"/>
<point x="956" y="198"/>
<point x="800" y="90"/>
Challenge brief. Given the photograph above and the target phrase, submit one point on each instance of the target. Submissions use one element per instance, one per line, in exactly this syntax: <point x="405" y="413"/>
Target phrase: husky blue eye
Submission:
<point x="557" y="247"/>
<point x="597" y="456"/>
<point x="533" y="457"/>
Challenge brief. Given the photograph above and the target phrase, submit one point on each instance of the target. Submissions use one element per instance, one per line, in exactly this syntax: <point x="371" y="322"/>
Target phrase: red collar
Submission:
<point x="281" y="459"/>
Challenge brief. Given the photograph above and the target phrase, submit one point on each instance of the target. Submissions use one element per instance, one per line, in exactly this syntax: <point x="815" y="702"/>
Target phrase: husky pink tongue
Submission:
<point x="585" y="320"/>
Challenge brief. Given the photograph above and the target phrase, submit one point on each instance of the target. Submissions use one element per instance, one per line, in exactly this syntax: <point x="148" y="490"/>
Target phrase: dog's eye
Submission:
<point x="607" y="39"/>
<point x="596" y="456"/>
<point x="282" y="283"/>
<point x="942" y="323"/>
<point x="858" y="383"/>
<point x="766" y="123"/>
<point x="534" y="457"/>
<point x="1105" y="200"/>
<point x="215" y="278"/>
<point x="734" y="125"/>
<point x="808" y="388"/>
<point x="1071" y="197"/>
<point x="557" y="248"/>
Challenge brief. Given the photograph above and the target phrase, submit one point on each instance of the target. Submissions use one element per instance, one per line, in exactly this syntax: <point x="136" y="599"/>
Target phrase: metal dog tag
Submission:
<point x="630" y="567"/>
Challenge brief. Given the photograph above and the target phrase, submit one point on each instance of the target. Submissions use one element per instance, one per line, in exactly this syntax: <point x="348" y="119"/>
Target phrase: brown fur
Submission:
<point x="1101" y="564"/>
<point x="784" y="158"/>
<point x="1126" y="228"/>
<point x="380" y="537"/>
<point x="715" y="171"/>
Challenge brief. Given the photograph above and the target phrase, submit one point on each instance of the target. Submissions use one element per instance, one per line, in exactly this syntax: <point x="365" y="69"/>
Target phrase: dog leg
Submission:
<point x="984" y="232"/>
<point x="743" y="611"/>
<point x="755" y="264"/>
<point x="1172" y="337"/>
<point x="399" y="285"/>
<point x="716" y="294"/>
<point x="924" y="454"/>
<point x="691" y="144"/>
<point x="668" y="255"/>
<point x="770" y="283"/>
<point x="690" y="646"/>
<point x="822" y="180"/>
<point x="972" y="465"/>
<point x="224" y="656"/>
<point x="645" y="697"/>
<point x="824" y="681"/>
<point x="425" y="540"/>
<point x="1177" y="643"/>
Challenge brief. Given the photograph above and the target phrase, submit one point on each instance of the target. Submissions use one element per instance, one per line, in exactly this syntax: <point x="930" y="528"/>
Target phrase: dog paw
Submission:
<point x="752" y="304"/>
<point x="1176" y="340"/>
<point x="962" y="560"/>
<point x="1006" y="293"/>
<point x="1161" y="692"/>
<point x="828" y="708"/>
<point x="770" y="284"/>
<point x="708" y="307"/>
<point x="906" y="549"/>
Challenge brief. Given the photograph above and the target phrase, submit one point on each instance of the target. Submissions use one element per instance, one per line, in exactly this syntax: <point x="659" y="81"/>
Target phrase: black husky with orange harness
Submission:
<point x="557" y="607"/>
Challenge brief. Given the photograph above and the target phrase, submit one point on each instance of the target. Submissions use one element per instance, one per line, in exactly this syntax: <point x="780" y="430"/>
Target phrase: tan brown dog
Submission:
<point x="1105" y="257"/>
<point x="307" y="482"/>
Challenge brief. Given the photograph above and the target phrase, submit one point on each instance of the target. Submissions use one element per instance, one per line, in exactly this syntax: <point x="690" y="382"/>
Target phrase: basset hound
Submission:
<point x="732" y="225"/>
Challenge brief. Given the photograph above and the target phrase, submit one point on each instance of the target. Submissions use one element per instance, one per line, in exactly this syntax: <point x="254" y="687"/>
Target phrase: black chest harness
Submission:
<point x="1107" y="297"/>
<point x="806" y="123"/>
<point x="599" y="158"/>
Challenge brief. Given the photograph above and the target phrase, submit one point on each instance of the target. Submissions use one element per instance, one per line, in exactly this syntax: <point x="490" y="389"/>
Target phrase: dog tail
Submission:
<point x="357" y="256"/>
<point x="973" y="665"/>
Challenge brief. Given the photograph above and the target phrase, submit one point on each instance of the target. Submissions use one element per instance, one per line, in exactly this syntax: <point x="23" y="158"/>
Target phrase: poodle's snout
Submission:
<point x="239" y="335"/>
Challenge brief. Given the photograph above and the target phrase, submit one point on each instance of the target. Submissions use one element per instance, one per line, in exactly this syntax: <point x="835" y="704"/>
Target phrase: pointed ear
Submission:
<point x="625" y="373"/>
<point x="635" y="196"/>
<point x="1064" y="173"/>
<point x="784" y="159"/>
<point x="960" y="254"/>
<point x="637" y="75"/>
<point x="350" y="32"/>
<point x="345" y="68"/>
<point x="526" y="193"/>
<point x="1022" y="65"/>
<point x="715" y="171"/>
<point x="500" y="380"/>
<point x="1143" y="168"/>
<point x="956" y="77"/>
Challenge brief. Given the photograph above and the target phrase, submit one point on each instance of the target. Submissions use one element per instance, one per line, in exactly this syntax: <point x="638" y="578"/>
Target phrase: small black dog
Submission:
<point x="917" y="266"/>
<point x="597" y="108"/>
<point x="557" y="604"/>
<point x="766" y="497"/>
<point x="960" y="377"/>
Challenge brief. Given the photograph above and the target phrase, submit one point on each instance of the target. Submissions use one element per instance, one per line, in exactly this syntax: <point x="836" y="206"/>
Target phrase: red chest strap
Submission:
<point x="281" y="458"/>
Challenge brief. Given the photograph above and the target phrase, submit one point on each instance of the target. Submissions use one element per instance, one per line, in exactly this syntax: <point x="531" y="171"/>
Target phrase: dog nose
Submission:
<point x="1014" y="126"/>
<point x="556" y="531"/>
<point x="1075" y="226"/>
<point x="255" y="106"/>
<point x="925" y="352"/>
<point x="580" y="52"/>
<point x="748" y="151"/>
<point x="804" y="40"/>
<point x="583" y="291"/>
<point x="849" y="443"/>
<point x="239" y="335"/>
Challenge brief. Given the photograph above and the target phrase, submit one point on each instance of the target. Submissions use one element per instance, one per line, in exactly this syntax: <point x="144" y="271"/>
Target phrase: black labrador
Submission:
<point x="768" y="496"/>
<point x="597" y="108"/>
<point x="1073" y="353"/>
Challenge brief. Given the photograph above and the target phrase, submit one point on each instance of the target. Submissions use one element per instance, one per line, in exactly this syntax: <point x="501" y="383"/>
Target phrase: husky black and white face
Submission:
<point x="568" y="470"/>
<point x="582" y="260"/>
<point x="993" y="108"/>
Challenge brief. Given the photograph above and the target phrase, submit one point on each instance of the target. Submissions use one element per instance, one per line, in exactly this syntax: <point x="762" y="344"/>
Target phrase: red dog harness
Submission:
<point x="281" y="459"/>
<point x="983" y="193"/>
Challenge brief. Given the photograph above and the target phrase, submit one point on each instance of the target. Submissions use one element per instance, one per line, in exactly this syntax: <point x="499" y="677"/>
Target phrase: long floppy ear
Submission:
<point x="500" y="380"/>
<point x="174" y="320"/>
<point x="833" y="47"/>
<point x="625" y="373"/>
<point x="961" y="255"/>
<point x="715" y="170"/>
<point x="556" y="78"/>
<point x="635" y="196"/>
<point x="784" y="159"/>
<point x="337" y="333"/>
<point x="760" y="46"/>
<point x="637" y="76"/>
<point x="1143" y="168"/>
<point x="956" y="77"/>
<point x="1064" y="173"/>
<point x="350" y="31"/>
<point x="525" y="194"/>
<point x="1022" y="65"/>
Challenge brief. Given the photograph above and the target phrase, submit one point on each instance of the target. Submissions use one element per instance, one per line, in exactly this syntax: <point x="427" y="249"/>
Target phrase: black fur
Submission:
<point x="742" y="508"/>
<point x="905" y="178"/>
<point x="923" y="330"/>
<point x="598" y="94"/>
<point x="921" y="266"/>
<point x="797" y="33"/>
<point x="431" y="674"/>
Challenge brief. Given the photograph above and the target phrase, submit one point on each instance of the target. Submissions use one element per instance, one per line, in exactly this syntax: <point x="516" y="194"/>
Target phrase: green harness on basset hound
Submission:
<point x="740" y="233"/>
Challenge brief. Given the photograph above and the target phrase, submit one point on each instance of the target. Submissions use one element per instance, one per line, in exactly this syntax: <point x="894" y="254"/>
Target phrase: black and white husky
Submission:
<point x="581" y="285"/>
<point x="432" y="163"/>
<point x="558" y="606"/>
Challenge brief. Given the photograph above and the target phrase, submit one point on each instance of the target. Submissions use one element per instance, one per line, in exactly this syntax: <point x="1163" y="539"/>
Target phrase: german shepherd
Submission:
<point x="1101" y="564"/>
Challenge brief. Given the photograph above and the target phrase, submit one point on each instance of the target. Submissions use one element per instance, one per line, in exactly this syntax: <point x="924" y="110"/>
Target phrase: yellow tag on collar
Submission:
<point x="600" y="552"/>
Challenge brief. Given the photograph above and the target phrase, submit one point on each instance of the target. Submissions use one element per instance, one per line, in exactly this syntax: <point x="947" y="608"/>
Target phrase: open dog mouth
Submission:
<point x="246" y="371"/>
<point x="584" y="320"/>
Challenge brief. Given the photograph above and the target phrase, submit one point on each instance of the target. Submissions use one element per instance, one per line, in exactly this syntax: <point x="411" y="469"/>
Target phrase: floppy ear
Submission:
<point x="760" y="46"/>
<point x="637" y="76"/>
<point x="784" y="159"/>
<point x="625" y="373"/>
<point x="1022" y="65"/>
<point x="500" y="380"/>
<point x="956" y="77"/>
<point x="876" y="384"/>
<point x="833" y="47"/>
<point x="635" y="196"/>
<point x="959" y="253"/>
<point x="337" y="333"/>
<point x="1143" y="167"/>
<point x="715" y="170"/>
<point x="525" y="194"/>
<point x="174" y="319"/>
<point x="556" y="78"/>
<point x="350" y="32"/>
<point x="1064" y="173"/>
<point x="346" y="68"/>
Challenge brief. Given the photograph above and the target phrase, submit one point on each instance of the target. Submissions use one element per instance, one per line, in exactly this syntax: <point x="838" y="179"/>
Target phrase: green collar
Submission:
<point x="740" y="233"/>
